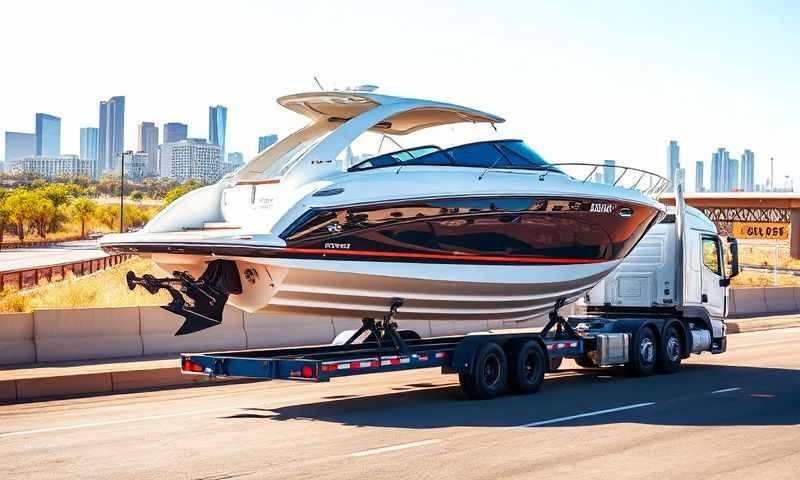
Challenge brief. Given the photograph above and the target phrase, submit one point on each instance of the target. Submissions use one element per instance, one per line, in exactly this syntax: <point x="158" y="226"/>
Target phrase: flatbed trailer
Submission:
<point x="488" y="363"/>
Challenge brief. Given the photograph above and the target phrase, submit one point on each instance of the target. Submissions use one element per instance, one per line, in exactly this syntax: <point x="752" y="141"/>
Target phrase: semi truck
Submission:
<point x="666" y="301"/>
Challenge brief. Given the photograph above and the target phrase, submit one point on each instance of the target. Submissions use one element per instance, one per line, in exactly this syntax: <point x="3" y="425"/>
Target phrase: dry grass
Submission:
<point x="102" y="289"/>
<point x="747" y="279"/>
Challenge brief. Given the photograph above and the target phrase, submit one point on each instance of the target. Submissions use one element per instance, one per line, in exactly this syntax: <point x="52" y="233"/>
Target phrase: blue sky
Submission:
<point x="579" y="80"/>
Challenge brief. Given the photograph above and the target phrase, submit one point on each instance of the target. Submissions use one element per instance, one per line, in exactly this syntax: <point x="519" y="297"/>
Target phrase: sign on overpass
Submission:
<point x="760" y="231"/>
<point x="751" y="214"/>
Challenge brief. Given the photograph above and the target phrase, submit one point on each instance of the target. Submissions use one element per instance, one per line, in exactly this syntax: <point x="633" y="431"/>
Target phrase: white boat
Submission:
<point x="484" y="230"/>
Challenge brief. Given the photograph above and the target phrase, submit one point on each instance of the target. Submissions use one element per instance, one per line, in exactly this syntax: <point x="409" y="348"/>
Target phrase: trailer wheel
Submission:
<point x="644" y="353"/>
<point x="669" y="353"/>
<point x="489" y="375"/>
<point x="584" y="361"/>
<point x="526" y="367"/>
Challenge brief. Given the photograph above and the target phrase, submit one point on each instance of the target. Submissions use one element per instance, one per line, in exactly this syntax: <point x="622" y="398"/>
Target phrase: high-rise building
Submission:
<point x="48" y="135"/>
<point x="111" y="133"/>
<point x="19" y="145"/>
<point x="236" y="157"/>
<point x="136" y="164"/>
<point x="148" y="143"/>
<point x="266" y="141"/>
<point x="193" y="158"/>
<point x="217" y="121"/>
<point x="51" y="167"/>
<point x="234" y="161"/>
<point x="673" y="160"/>
<point x="175" y="132"/>
<point x="89" y="139"/>
<point x="748" y="171"/>
<point x="719" y="170"/>
<point x="609" y="171"/>
<point x="733" y="175"/>
<point x="698" y="176"/>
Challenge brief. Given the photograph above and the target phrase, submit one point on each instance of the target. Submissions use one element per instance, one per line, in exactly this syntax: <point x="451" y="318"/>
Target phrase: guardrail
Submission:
<point x="43" y="243"/>
<point x="29" y="277"/>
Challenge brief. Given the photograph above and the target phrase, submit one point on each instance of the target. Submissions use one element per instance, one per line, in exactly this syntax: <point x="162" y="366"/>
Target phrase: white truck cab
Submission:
<point x="678" y="268"/>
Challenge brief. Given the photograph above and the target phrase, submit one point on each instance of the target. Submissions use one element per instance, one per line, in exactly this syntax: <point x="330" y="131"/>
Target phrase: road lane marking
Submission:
<point x="111" y="422"/>
<point x="724" y="390"/>
<point x="584" y="415"/>
<point x="394" y="448"/>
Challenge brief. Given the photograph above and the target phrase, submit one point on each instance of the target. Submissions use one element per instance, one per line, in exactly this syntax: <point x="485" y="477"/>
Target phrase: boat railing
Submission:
<point x="647" y="183"/>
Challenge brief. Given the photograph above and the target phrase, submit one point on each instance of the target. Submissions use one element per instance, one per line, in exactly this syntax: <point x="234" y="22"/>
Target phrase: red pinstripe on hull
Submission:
<point x="439" y="256"/>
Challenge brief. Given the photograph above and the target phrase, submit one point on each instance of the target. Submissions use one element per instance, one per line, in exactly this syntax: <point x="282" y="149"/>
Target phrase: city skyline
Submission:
<point x="572" y="73"/>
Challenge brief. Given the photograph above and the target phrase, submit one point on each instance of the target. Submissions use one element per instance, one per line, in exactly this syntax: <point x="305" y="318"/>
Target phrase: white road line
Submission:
<point x="394" y="448"/>
<point x="111" y="422"/>
<point x="727" y="390"/>
<point x="584" y="415"/>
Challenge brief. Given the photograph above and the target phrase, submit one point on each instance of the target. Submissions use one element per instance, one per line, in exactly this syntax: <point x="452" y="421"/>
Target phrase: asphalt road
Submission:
<point x="19" y="258"/>
<point x="727" y="416"/>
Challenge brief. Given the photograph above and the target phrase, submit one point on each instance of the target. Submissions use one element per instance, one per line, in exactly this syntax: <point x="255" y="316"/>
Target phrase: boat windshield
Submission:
<point x="499" y="154"/>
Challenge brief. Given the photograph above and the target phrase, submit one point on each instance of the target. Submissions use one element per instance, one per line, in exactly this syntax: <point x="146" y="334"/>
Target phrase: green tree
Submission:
<point x="136" y="195"/>
<point x="107" y="215"/>
<point x="5" y="214"/>
<point x="21" y="205"/>
<point x="83" y="209"/>
<point x="42" y="213"/>
<point x="180" y="191"/>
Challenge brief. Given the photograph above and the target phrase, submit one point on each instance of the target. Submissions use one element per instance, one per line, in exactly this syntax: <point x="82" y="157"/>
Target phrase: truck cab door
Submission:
<point x="713" y="295"/>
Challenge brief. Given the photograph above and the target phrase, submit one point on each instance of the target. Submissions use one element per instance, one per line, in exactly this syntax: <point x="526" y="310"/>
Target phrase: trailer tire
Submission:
<point x="526" y="368"/>
<point x="670" y="350"/>
<point x="584" y="361"/>
<point x="489" y="376"/>
<point x="644" y="353"/>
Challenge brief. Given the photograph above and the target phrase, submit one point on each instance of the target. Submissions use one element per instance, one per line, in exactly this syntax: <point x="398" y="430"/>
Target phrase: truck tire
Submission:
<point x="669" y="352"/>
<point x="489" y="376"/>
<point x="644" y="353"/>
<point x="584" y="361"/>
<point x="526" y="368"/>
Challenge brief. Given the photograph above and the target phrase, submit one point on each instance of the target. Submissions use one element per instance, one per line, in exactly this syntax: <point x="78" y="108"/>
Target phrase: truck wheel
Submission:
<point x="643" y="353"/>
<point x="555" y="363"/>
<point x="489" y="374"/>
<point x="526" y="367"/>
<point x="669" y="354"/>
<point x="584" y="361"/>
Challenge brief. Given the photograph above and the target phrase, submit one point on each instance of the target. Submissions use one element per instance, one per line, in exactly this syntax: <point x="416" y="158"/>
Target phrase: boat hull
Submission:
<point x="506" y="258"/>
<point x="430" y="291"/>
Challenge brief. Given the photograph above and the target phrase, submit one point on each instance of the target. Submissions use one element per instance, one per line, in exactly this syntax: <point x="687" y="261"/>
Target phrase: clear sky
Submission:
<point x="579" y="80"/>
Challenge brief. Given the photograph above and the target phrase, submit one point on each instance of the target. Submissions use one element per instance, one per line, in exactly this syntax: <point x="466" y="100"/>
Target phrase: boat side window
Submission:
<point x="394" y="158"/>
<point x="522" y="156"/>
<point x="483" y="155"/>
<point x="711" y="255"/>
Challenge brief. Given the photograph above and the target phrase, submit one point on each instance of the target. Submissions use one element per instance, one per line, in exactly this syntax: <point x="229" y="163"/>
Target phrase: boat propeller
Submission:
<point x="199" y="301"/>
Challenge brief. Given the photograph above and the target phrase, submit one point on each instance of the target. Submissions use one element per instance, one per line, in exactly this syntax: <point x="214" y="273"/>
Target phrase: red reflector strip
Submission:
<point x="441" y="354"/>
<point x="307" y="372"/>
<point x="422" y="358"/>
<point x="190" y="366"/>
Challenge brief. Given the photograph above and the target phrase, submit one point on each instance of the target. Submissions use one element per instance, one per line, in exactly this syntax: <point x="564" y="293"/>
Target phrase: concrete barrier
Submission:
<point x="16" y="339"/>
<point x="747" y="301"/>
<point x="86" y="333"/>
<point x="158" y="328"/>
<point x="780" y="300"/>
<point x="265" y="331"/>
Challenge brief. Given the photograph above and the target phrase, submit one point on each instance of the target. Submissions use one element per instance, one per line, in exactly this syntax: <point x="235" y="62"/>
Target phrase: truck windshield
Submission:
<point x="500" y="154"/>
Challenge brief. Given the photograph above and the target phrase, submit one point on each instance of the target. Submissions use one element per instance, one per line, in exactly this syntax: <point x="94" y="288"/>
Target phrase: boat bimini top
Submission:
<point x="337" y="119"/>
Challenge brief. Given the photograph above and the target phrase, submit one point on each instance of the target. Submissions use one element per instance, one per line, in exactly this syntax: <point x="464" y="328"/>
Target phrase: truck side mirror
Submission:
<point x="734" y="246"/>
